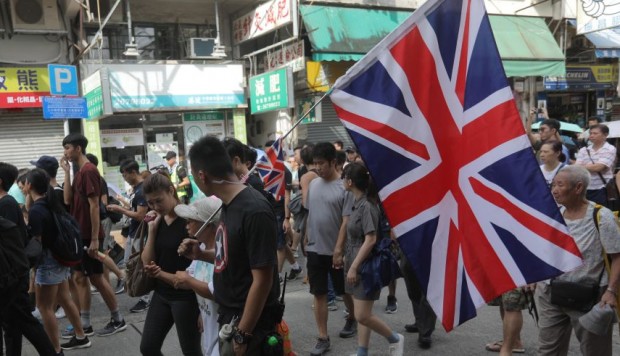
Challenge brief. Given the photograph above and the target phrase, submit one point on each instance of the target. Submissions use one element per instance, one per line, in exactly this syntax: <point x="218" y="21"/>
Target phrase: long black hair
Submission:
<point x="40" y="182"/>
<point x="359" y="175"/>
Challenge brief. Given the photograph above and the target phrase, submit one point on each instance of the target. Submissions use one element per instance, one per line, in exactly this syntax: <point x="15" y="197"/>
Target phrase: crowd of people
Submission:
<point x="218" y="263"/>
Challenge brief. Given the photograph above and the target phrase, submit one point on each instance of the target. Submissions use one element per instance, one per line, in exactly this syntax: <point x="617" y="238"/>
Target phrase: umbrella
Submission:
<point x="564" y="126"/>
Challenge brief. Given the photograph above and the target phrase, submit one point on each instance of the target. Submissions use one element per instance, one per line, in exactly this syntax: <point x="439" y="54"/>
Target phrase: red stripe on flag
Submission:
<point x="451" y="275"/>
<point x="461" y="81"/>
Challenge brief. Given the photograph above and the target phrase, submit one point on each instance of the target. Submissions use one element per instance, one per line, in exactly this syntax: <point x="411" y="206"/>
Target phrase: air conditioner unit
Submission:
<point x="197" y="48"/>
<point x="35" y="16"/>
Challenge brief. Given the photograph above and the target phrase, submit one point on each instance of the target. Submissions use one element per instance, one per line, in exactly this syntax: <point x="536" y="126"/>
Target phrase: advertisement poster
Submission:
<point x="156" y="152"/>
<point x="121" y="138"/>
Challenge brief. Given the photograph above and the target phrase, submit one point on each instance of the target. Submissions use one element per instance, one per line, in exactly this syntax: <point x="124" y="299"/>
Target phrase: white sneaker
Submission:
<point x="36" y="313"/>
<point x="60" y="313"/>
<point x="397" y="348"/>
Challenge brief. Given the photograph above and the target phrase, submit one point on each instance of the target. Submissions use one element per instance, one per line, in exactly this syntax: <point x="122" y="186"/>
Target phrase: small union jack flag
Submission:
<point x="434" y="118"/>
<point x="271" y="169"/>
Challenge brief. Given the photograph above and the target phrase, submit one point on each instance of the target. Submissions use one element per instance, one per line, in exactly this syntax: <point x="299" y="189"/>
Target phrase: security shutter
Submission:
<point x="23" y="139"/>
<point x="330" y="128"/>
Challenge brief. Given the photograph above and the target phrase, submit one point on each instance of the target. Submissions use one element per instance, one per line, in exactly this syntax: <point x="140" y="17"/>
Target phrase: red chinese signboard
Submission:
<point x="23" y="87"/>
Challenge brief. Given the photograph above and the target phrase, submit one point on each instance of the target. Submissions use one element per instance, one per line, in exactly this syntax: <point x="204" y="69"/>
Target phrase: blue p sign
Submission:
<point x="63" y="79"/>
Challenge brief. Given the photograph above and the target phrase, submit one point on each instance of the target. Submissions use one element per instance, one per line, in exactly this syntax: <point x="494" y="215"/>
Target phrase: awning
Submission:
<point x="527" y="47"/>
<point x="607" y="42"/>
<point x="347" y="34"/>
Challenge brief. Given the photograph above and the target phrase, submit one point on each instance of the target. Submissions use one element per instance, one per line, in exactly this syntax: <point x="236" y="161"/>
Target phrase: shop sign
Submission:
<point x="265" y="18"/>
<point x="120" y="138"/>
<point x="198" y="125"/>
<point x="304" y="105"/>
<point x="92" y="134"/>
<point x="291" y="55"/>
<point x="203" y="116"/>
<point x="271" y="91"/>
<point x="584" y="77"/>
<point x="93" y="89"/>
<point x="596" y="15"/>
<point x="23" y="87"/>
<point x="162" y="87"/>
<point x="239" y="128"/>
<point x="166" y="137"/>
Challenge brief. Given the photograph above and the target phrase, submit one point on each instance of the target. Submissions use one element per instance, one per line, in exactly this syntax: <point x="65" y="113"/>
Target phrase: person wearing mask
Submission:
<point x="169" y="306"/>
<point x="362" y="228"/>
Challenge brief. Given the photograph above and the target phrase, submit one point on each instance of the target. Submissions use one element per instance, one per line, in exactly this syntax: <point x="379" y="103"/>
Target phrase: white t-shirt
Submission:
<point x="203" y="271"/>
<point x="549" y="175"/>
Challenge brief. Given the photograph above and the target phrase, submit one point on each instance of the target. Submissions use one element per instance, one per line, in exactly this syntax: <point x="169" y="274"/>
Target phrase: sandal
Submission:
<point x="497" y="346"/>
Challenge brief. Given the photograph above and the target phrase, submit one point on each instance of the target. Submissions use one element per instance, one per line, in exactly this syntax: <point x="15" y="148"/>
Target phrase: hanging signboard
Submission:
<point x="23" y="87"/>
<point x="596" y="15"/>
<point x="95" y="89"/>
<point x="265" y="18"/>
<point x="271" y="91"/>
<point x="120" y="138"/>
<point x="291" y="55"/>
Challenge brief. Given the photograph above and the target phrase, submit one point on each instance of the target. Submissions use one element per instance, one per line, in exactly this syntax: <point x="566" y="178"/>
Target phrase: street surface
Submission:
<point x="468" y="339"/>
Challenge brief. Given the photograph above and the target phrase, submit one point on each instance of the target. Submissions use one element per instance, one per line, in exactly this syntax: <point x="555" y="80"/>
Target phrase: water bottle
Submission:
<point x="226" y="332"/>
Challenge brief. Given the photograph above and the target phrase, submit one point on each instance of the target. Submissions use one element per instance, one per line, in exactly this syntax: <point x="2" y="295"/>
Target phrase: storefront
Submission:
<point x="141" y="112"/>
<point x="24" y="134"/>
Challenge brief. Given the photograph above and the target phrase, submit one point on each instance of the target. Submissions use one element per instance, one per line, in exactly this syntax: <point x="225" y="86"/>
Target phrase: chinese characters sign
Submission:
<point x="23" y="87"/>
<point x="267" y="17"/>
<point x="596" y="15"/>
<point x="271" y="91"/>
<point x="291" y="55"/>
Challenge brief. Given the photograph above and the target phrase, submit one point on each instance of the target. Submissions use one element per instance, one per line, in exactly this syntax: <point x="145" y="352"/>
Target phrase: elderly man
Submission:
<point x="598" y="158"/>
<point x="556" y="322"/>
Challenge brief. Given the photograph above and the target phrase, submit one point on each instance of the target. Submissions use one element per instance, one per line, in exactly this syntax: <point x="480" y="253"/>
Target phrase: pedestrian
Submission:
<point x="201" y="279"/>
<point x="130" y="170"/>
<point x="362" y="228"/>
<point x="592" y="238"/>
<point x="329" y="207"/>
<point x="599" y="159"/>
<point x="178" y="175"/>
<point x="549" y="130"/>
<point x="245" y="276"/>
<point x="169" y="306"/>
<point x="51" y="278"/>
<point x="83" y="195"/>
<point x="552" y="159"/>
<point x="15" y="306"/>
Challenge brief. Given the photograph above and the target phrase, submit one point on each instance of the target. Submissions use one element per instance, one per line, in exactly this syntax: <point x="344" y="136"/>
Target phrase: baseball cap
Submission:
<point x="170" y="154"/>
<point x="47" y="163"/>
<point x="200" y="210"/>
<point x="350" y="149"/>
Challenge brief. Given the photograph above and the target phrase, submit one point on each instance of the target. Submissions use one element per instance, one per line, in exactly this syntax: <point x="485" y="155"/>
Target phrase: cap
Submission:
<point x="169" y="155"/>
<point x="47" y="163"/>
<point x="200" y="210"/>
<point x="350" y="149"/>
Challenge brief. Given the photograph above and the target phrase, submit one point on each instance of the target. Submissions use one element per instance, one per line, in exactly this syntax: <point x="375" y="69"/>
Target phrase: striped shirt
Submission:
<point x="605" y="155"/>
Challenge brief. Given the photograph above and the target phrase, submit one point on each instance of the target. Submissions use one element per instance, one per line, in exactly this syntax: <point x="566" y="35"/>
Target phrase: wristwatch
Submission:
<point x="241" y="337"/>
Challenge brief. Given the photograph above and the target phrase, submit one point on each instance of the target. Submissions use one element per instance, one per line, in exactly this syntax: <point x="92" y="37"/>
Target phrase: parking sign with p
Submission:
<point x="63" y="80"/>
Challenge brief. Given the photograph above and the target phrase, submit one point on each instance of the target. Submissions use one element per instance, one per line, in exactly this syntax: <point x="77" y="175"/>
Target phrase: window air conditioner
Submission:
<point x="197" y="48"/>
<point x="35" y="16"/>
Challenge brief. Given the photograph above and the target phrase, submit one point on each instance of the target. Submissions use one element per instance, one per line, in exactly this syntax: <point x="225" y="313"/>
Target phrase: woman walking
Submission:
<point x="362" y="229"/>
<point x="169" y="306"/>
<point x="51" y="278"/>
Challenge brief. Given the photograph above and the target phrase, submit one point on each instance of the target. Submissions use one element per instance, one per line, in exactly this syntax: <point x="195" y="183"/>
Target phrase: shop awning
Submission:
<point x="527" y="47"/>
<point x="607" y="42"/>
<point x="344" y="33"/>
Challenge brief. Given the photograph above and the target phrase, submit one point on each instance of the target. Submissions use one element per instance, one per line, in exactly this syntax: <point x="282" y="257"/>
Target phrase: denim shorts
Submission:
<point x="50" y="272"/>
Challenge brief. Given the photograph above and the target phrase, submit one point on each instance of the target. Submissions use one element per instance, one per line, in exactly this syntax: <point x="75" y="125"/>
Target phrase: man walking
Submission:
<point x="598" y="158"/>
<point x="83" y="196"/>
<point x="179" y="177"/>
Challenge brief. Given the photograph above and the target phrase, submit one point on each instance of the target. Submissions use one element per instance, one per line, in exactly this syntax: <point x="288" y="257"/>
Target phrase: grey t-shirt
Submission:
<point x="327" y="203"/>
<point x="587" y="239"/>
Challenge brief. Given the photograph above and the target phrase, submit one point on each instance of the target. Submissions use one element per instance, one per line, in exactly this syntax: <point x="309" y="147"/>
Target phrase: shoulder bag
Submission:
<point x="138" y="283"/>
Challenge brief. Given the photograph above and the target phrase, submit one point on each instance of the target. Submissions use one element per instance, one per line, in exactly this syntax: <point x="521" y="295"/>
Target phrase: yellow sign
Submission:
<point x="602" y="73"/>
<point x="321" y="75"/>
<point x="22" y="87"/>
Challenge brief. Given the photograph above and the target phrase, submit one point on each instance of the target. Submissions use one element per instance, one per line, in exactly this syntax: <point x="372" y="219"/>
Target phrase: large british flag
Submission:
<point x="271" y="169"/>
<point x="433" y="116"/>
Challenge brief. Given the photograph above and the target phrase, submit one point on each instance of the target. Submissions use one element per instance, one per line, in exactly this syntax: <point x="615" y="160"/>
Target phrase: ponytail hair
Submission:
<point x="159" y="182"/>
<point x="359" y="175"/>
<point x="40" y="182"/>
<point x="556" y="147"/>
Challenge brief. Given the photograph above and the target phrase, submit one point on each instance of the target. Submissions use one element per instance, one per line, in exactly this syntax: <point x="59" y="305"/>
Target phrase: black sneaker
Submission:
<point x="294" y="273"/>
<point x="75" y="343"/>
<point x="140" y="306"/>
<point x="112" y="328"/>
<point x="392" y="306"/>
<point x="349" y="330"/>
<point x="69" y="332"/>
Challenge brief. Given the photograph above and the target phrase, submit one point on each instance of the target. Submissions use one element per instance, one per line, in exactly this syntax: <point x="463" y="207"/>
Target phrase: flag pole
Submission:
<point x="204" y="225"/>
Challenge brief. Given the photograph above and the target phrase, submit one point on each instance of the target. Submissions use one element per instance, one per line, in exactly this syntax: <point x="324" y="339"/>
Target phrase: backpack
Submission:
<point x="14" y="266"/>
<point x="114" y="216"/>
<point x="67" y="248"/>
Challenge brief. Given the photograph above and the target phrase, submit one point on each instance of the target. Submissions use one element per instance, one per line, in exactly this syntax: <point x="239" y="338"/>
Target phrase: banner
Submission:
<point x="23" y="87"/>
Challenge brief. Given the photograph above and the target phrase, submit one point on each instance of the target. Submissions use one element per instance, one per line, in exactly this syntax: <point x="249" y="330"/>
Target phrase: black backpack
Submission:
<point x="114" y="216"/>
<point x="182" y="174"/>
<point x="67" y="248"/>
<point x="14" y="265"/>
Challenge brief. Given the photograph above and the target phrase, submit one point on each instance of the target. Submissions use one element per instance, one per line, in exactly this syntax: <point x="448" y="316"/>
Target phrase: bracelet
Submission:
<point x="612" y="292"/>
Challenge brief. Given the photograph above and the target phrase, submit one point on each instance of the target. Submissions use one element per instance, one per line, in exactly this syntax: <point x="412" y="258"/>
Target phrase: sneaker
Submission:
<point x="69" y="332"/>
<point x="391" y="306"/>
<point x="349" y="330"/>
<point x="321" y="347"/>
<point x="112" y="328"/>
<point x="36" y="313"/>
<point x="332" y="306"/>
<point x="339" y="298"/>
<point x="294" y="273"/>
<point x="75" y="343"/>
<point x="120" y="286"/>
<point x="140" y="306"/>
<point x="60" y="313"/>
<point x="93" y="290"/>
<point x="397" y="348"/>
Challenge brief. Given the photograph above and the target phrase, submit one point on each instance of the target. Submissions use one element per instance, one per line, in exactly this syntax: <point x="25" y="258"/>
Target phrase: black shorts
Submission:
<point x="89" y="266"/>
<point x="319" y="267"/>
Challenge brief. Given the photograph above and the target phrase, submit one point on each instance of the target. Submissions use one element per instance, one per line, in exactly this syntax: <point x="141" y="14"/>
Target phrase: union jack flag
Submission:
<point x="271" y="169"/>
<point x="433" y="116"/>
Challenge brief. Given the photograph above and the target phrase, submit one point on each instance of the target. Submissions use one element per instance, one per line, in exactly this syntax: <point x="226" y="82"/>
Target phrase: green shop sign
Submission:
<point x="203" y="116"/>
<point x="271" y="91"/>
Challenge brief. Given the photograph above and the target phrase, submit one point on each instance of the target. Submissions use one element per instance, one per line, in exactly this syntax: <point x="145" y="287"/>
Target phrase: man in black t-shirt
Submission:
<point x="245" y="275"/>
